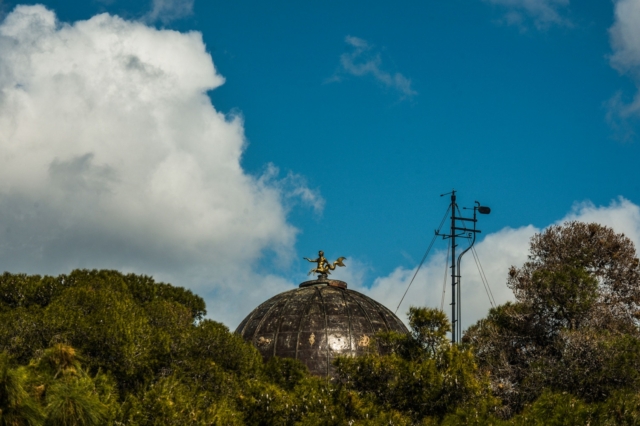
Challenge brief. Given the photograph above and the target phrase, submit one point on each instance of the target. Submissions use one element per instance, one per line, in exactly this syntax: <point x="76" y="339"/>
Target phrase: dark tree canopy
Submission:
<point x="580" y="272"/>
<point x="574" y="325"/>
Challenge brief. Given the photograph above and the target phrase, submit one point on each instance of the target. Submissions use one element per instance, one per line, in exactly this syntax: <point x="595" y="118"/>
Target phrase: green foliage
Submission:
<point x="17" y="406"/>
<point x="170" y="401"/>
<point x="101" y="347"/>
<point x="555" y="409"/>
<point x="429" y="328"/>
<point x="563" y="298"/>
<point x="285" y="372"/>
<point x="140" y="343"/>
<point x="622" y="408"/>
<point x="74" y="401"/>
<point x="426" y="377"/>
<point x="70" y="395"/>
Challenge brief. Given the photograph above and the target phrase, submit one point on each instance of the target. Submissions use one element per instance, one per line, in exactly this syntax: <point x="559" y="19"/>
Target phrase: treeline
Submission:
<point x="105" y="348"/>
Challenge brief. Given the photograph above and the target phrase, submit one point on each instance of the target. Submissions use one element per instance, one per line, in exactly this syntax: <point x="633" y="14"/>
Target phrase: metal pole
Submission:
<point x="472" y="232"/>
<point x="453" y="267"/>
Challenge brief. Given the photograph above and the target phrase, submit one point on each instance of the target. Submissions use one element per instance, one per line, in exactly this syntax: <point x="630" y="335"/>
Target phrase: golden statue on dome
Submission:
<point x="324" y="267"/>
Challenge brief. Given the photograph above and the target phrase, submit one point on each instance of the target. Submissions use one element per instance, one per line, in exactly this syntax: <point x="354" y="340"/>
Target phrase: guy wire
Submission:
<point x="484" y="276"/>
<point x="444" y="284"/>
<point x="424" y="257"/>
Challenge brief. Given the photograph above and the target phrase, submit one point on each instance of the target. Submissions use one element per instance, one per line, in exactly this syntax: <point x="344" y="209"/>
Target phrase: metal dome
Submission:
<point x="317" y="322"/>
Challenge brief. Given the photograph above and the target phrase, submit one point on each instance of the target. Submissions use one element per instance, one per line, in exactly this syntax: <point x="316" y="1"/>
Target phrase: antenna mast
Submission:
<point x="462" y="232"/>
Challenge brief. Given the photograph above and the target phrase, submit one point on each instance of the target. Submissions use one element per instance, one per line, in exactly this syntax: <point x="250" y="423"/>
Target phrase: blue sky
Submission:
<point x="342" y="122"/>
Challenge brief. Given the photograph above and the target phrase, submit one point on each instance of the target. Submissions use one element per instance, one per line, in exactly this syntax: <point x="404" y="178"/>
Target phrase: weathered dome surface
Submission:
<point x="317" y="322"/>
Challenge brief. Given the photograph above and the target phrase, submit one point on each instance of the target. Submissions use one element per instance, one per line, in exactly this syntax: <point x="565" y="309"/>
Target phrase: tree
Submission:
<point x="425" y="378"/>
<point x="17" y="406"/>
<point x="580" y="269"/>
<point x="573" y="327"/>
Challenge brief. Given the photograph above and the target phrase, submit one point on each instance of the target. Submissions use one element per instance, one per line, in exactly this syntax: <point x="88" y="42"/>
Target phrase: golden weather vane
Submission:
<point x="324" y="267"/>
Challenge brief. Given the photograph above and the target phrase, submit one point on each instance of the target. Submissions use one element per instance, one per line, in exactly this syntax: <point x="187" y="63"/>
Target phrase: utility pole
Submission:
<point x="454" y="275"/>
<point x="462" y="232"/>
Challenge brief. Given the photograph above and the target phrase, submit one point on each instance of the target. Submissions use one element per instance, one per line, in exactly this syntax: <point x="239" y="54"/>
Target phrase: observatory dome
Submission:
<point x="316" y="322"/>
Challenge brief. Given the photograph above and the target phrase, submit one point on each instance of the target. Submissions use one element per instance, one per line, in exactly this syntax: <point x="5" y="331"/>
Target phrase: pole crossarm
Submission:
<point x="466" y="218"/>
<point x="467" y="230"/>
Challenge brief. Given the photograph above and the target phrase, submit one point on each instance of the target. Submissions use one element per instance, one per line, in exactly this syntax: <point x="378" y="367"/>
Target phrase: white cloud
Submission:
<point x="497" y="253"/>
<point x="625" y="36"/>
<point x="293" y="187"/>
<point x="169" y="10"/>
<point x="363" y="60"/>
<point x="625" y="42"/>
<point x="112" y="156"/>
<point x="542" y="13"/>
<point x="621" y="215"/>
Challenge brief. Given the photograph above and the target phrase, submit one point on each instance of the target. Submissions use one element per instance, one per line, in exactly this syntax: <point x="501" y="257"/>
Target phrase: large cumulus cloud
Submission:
<point x="112" y="155"/>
